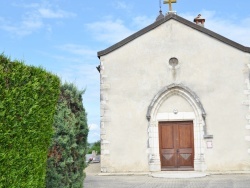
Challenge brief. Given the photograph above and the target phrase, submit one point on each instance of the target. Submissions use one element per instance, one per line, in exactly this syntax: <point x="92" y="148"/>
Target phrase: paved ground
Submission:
<point x="213" y="181"/>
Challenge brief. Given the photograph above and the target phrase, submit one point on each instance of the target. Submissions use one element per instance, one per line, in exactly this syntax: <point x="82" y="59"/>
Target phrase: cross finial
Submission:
<point x="169" y="2"/>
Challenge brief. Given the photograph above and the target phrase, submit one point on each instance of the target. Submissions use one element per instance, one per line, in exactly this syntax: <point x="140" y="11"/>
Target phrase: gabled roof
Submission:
<point x="181" y="20"/>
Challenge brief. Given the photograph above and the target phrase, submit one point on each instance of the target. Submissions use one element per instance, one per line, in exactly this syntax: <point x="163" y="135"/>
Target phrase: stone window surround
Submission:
<point x="197" y="116"/>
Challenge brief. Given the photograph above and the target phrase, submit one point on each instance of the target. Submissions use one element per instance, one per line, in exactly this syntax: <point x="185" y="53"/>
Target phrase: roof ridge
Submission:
<point x="181" y="20"/>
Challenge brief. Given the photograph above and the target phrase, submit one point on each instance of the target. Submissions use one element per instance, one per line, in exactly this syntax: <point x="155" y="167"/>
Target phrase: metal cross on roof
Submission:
<point x="169" y="2"/>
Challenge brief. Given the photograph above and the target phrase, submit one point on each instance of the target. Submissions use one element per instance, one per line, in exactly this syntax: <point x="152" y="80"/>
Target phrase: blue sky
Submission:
<point x="64" y="36"/>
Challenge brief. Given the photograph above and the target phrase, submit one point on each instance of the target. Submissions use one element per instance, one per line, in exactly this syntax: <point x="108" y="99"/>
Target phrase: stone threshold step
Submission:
<point x="179" y="174"/>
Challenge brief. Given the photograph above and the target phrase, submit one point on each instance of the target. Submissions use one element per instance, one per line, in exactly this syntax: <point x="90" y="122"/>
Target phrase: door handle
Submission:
<point x="177" y="151"/>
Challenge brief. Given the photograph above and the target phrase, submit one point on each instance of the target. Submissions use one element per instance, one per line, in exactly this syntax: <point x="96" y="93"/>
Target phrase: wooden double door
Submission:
<point x="176" y="141"/>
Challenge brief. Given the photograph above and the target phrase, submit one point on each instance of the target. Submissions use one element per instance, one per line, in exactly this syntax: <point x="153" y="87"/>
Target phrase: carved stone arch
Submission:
<point x="198" y="116"/>
<point x="181" y="90"/>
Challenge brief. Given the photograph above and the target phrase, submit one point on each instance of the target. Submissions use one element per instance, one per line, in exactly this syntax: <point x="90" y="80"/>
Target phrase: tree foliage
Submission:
<point x="96" y="146"/>
<point x="66" y="159"/>
<point x="28" y="97"/>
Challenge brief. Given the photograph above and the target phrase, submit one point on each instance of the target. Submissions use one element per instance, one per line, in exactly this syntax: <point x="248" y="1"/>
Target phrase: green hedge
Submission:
<point x="28" y="97"/>
<point x="66" y="159"/>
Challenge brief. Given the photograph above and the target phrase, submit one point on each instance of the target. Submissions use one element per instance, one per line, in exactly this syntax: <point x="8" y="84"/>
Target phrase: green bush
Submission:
<point x="66" y="155"/>
<point x="28" y="97"/>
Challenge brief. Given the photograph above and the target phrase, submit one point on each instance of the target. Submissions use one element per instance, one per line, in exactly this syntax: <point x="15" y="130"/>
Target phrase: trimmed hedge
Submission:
<point x="66" y="159"/>
<point x="28" y="97"/>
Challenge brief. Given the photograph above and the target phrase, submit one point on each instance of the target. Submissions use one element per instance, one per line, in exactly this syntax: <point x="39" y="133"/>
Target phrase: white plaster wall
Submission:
<point x="137" y="71"/>
<point x="175" y="102"/>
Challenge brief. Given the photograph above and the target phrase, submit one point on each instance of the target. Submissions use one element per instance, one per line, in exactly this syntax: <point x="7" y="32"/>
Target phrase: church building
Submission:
<point x="175" y="96"/>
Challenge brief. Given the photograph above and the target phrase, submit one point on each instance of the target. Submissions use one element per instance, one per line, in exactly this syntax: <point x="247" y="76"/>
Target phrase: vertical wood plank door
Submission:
<point x="176" y="143"/>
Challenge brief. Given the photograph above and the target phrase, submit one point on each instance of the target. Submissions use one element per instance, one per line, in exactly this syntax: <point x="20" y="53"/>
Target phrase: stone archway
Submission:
<point x="198" y="116"/>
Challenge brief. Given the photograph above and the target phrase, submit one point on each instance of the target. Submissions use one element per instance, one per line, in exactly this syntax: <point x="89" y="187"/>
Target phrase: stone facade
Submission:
<point x="174" y="70"/>
<point x="247" y="102"/>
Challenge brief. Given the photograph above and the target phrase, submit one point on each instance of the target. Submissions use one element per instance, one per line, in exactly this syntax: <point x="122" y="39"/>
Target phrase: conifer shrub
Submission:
<point x="28" y="97"/>
<point x="66" y="158"/>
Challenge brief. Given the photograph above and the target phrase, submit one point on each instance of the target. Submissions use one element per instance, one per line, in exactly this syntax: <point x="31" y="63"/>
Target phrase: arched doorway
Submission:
<point x="195" y="115"/>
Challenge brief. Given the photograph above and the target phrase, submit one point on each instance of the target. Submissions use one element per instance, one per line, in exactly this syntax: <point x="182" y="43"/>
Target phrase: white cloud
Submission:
<point x="78" y="66"/>
<point x="25" y="27"/>
<point x="122" y="5"/>
<point x="33" y="19"/>
<point x="109" y="31"/>
<point x="81" y="72"/>
<point x="236" y="29"/>
<point x="94" y="127"/>
<point x="142" y="21"/>
<point x="49" y="13"/>
<point x="77" y="50"/>
<point x="84" y="74"/>
<point x="23" y="5"/>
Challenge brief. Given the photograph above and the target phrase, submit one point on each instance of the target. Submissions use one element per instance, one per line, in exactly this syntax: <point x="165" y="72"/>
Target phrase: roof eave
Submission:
<point x="181" y="20"/>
